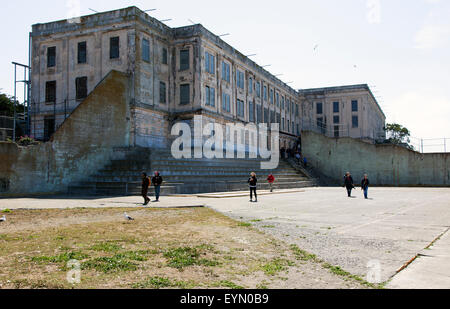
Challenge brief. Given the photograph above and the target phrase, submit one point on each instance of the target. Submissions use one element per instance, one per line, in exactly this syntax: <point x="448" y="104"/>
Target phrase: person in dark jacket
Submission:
<point x="349" y="184"/>
<point x="157" y="182"/>
<point x="253" y="182"/>
<point x="145" y="186"/>
<point x="365" y="186"/>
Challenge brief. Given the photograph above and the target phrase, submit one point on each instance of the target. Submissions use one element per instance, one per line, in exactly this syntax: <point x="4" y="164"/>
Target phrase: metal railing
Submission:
<point x="339" y="131"/>
<point x="421" y="145"/>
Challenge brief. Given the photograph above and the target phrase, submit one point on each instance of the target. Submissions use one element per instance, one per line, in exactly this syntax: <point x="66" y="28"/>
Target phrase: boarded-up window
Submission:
<point x="51" y="57"/>
<point x="50" y="92"/>
<point x="185" y="93"/>
<point x="114" y="48"/>
<point x="82" y="52"/>
<point x="81" y="88"/>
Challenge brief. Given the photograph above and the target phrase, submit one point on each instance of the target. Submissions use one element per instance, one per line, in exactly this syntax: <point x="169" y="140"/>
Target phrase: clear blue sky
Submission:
<point x="401" y="48"/>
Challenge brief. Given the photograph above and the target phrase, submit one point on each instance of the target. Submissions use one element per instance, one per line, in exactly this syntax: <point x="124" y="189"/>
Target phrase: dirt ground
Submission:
<point x="161" y="248"/>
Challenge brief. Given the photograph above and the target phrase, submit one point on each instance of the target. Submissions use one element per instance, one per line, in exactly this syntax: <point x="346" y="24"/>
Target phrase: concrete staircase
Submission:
<point x="186" y="176"/>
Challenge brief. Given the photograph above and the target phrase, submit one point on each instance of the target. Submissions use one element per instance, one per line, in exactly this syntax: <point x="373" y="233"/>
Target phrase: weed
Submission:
<point x="62" y="258"/>
<point x="108" y="265"/>
<point x="302" y="255"/>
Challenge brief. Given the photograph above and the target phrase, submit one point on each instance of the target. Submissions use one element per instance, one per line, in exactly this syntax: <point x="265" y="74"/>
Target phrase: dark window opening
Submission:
<point x="50" y="92"/>
<point x="114" y="45"/>
<point x="355" y="122"/>
<point x="162" y="93"/>
<point x="319" y="108"/>
<point x="81" y="88"/>
<point x="184" y="59"/>
<point x="82" y="52"/>
<point x="185" y="94"/>
<point x="355" y="106"/>
<point x="336" y="131"/>
<point x="49" y="128"/>
<point x="164" y="56"/>
<point x="146" y="50"/>
<point x="51" y="57"/>
<point x="336" y="107"/>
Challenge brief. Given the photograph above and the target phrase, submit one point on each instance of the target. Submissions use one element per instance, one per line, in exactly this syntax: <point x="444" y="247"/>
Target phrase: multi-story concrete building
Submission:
<point x="346" y="111"/>
<point x="176" y="74"/>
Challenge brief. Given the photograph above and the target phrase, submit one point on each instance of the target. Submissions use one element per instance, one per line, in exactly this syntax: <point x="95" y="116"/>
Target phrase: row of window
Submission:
<point x="81" y="89"/>
<point x="114" y="53"/>
<point x="336" y="120"/>
<point x="210" y="64"/>
<point x="337" y="107"/>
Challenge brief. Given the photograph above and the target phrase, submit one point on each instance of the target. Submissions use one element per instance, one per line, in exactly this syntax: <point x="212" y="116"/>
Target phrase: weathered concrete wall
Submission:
<point x="82" y="145"/>
<point x="388" y="165"/>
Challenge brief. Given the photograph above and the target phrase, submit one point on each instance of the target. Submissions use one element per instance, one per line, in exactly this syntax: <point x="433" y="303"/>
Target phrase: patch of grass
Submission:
<point x="244" y="224"/>
<point x="342" y="273"/>
<point x="228" y="284"/>
<point x="180" y="258"/>
<point x="269" y="226"/>
<point x="302" y="255"/>
<point x="161" y="283"/>
<point x="62" y="258"/>
<point x="6" y="211"/>
<point x="105" y="247"/>
<point x="108" y="265"/>
<point x="255" y="221"/>
<point x="275" y="266"/>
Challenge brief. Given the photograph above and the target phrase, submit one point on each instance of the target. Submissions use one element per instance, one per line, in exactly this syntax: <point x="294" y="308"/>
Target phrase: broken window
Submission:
<point x="82" y="52"/>
<point x="81" y="87"/>
<point x="114" y="51"/>
<point x="51" y="57"/>
<point x="50" y="92"/>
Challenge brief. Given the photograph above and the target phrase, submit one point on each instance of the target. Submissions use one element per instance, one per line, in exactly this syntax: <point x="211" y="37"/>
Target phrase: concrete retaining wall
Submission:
<point x="82" y="145"/>
<point x="387" y="165"/>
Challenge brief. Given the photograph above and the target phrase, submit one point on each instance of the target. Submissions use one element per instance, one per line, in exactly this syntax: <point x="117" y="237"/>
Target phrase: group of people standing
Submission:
<point x="156" y="181"/>
<point x="349" y="185"/>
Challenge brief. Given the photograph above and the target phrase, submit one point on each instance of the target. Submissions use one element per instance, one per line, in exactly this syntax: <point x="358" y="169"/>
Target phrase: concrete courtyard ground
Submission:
<point x="403" y="230"/>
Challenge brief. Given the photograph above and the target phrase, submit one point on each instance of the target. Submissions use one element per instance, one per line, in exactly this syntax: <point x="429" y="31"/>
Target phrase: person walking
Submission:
<point x="365" y="186"/>
<point x="298" y="157"/>
<point x="253" y="182"/>
<point x="349" y="184"/>
<point x="157" y="181"/>
<point x="271" y="180"/>
<point x="145" y="186"/>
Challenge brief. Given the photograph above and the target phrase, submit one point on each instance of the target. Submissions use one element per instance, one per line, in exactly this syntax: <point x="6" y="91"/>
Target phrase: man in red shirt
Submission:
<point x="271" y="180"/>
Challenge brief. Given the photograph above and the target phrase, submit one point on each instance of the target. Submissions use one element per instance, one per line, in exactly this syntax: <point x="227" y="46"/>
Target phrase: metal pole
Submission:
<point x="14" y="103"/>
<point x="24" y="98"/>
